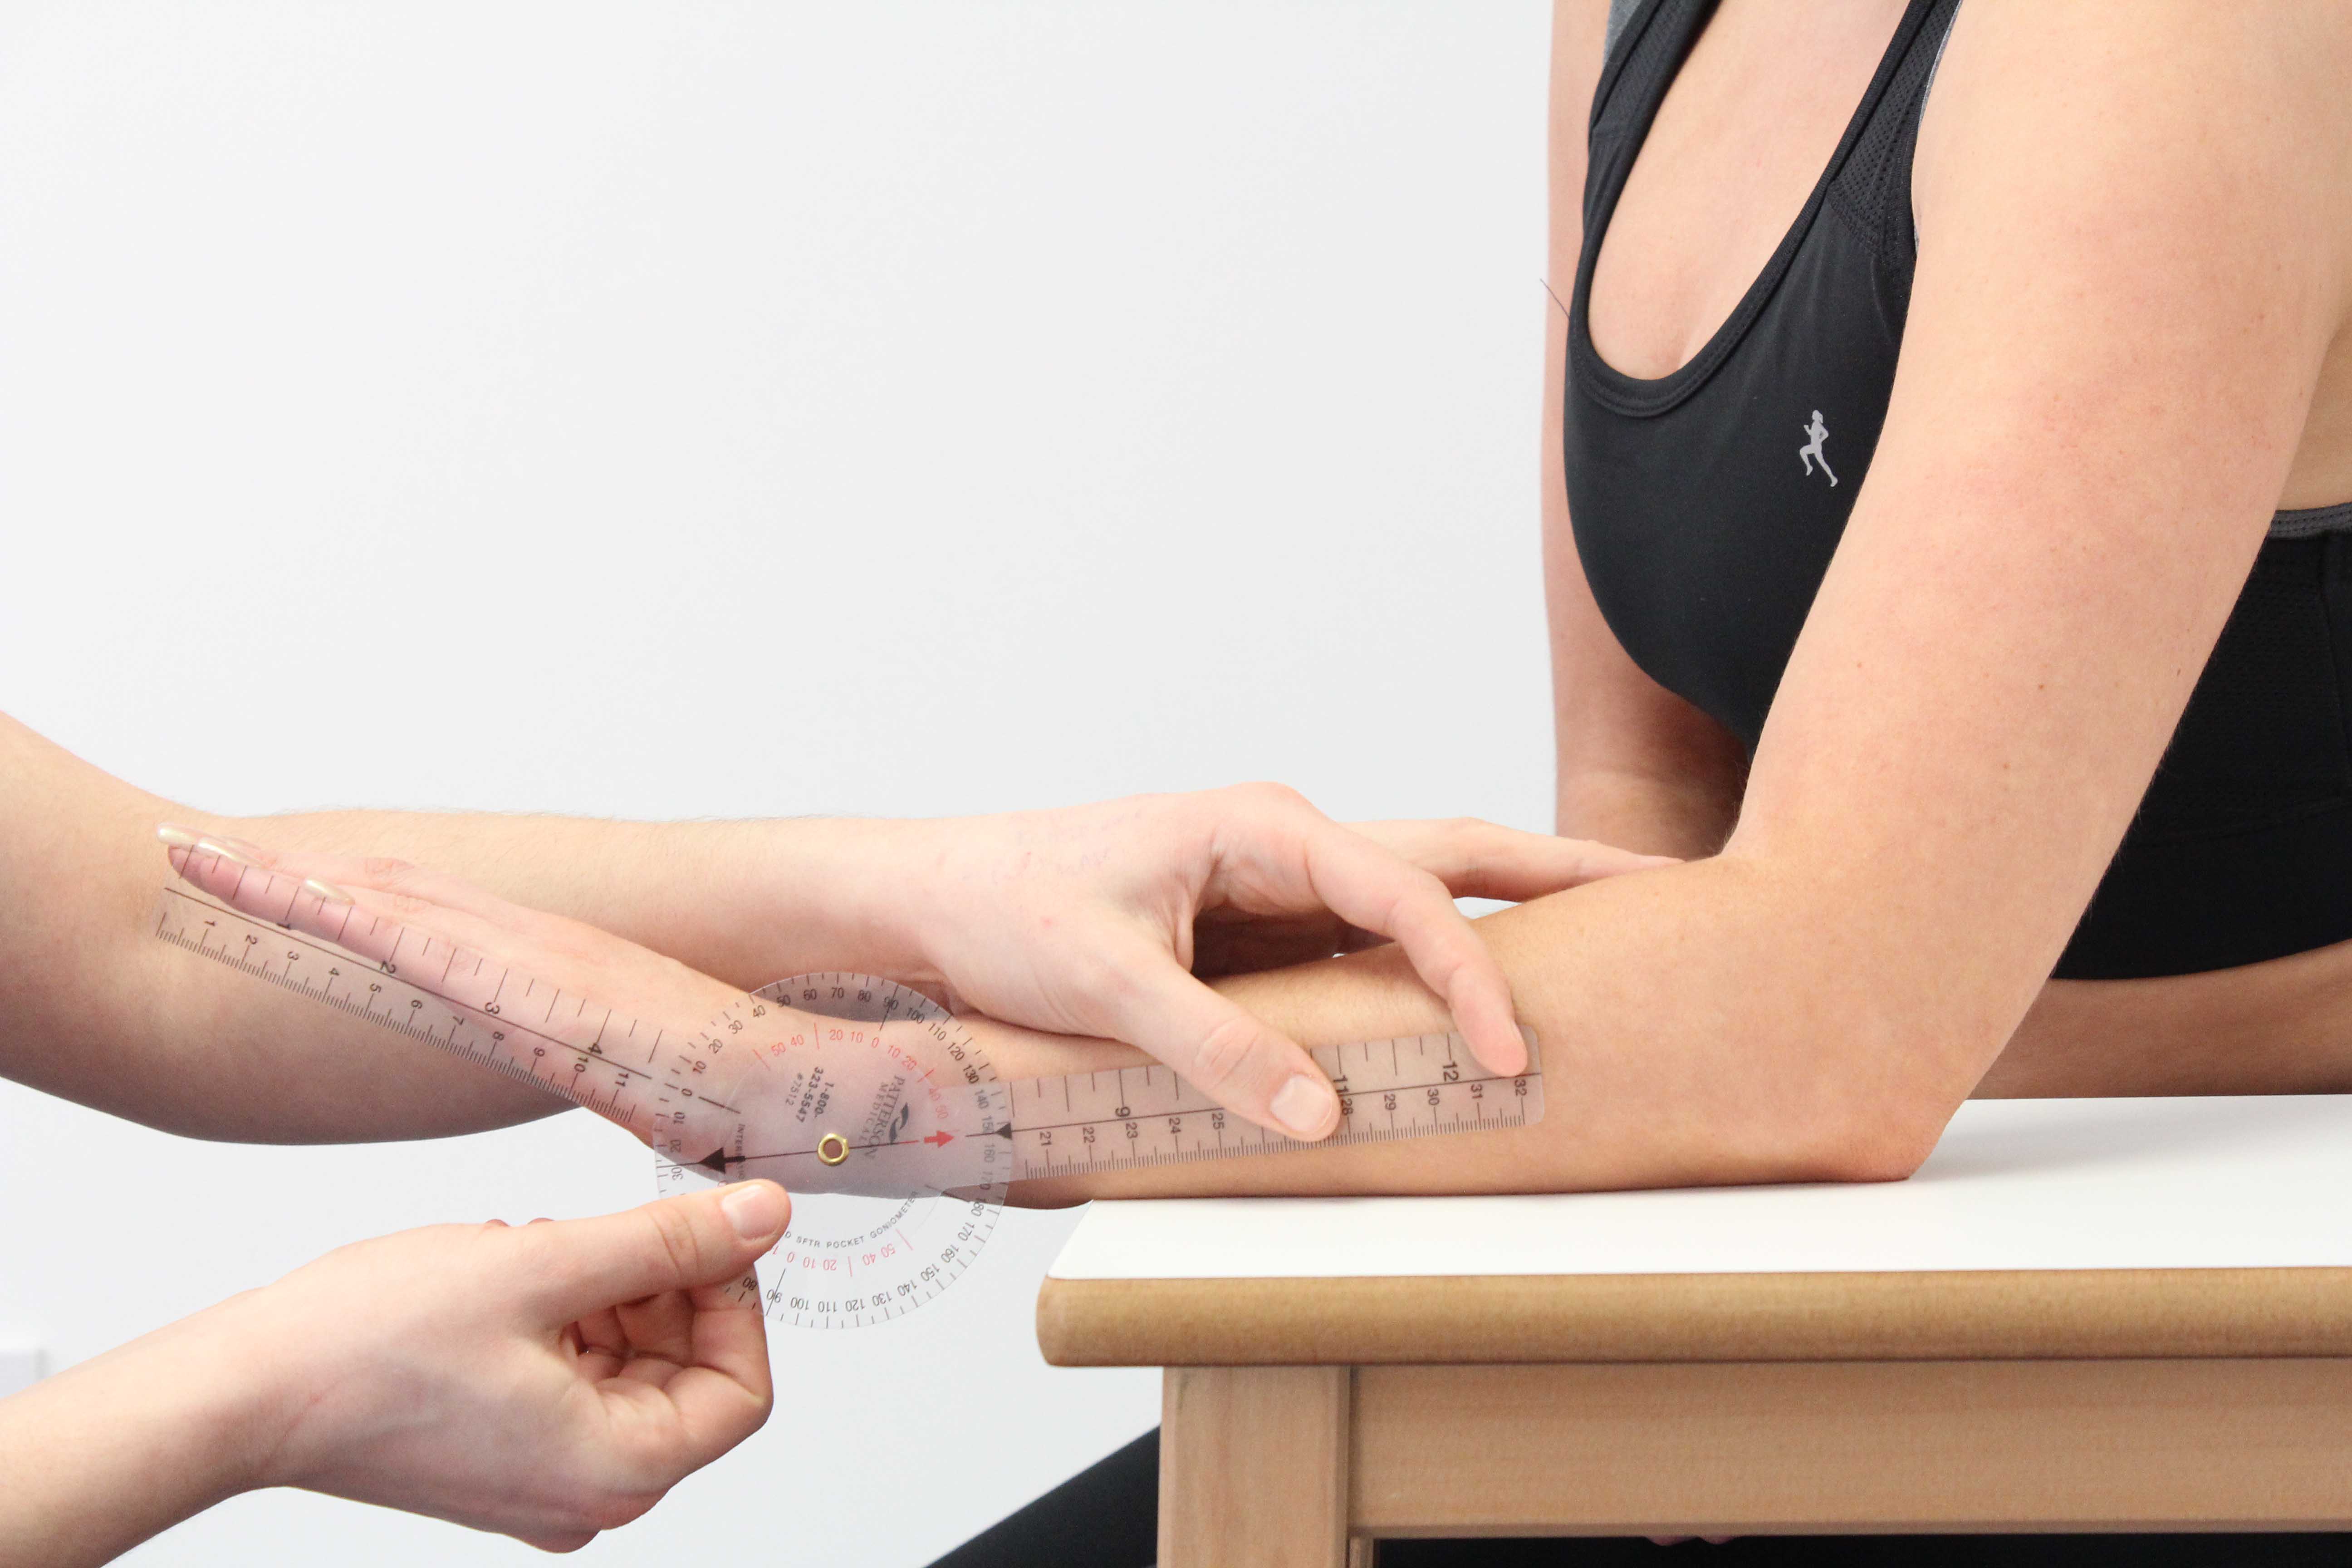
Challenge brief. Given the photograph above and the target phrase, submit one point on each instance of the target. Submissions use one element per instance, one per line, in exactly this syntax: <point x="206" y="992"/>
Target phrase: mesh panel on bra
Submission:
<point x="1872" y="194"/>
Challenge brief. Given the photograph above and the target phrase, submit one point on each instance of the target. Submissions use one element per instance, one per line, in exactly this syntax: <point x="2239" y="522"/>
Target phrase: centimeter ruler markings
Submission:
<point x="1404" y="1087"/>
<point x="1083" y="1122"/>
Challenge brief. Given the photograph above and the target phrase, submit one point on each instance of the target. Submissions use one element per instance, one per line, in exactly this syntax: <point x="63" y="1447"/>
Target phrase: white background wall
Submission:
<point x="556" y="407"/>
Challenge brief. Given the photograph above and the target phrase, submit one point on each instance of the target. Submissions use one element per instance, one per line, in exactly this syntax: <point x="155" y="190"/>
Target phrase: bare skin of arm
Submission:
<point x="1679" y="255"/>
<point x="2036" y="570"/>
<point x="1090" y="921"/>
<point x="2118" y="363"/>
<point x="95" y="995"/>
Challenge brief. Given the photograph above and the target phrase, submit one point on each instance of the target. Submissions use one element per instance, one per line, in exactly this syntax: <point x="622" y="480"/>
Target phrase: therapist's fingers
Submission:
<point x="1478" y="859"/>
<point x="1214" y="1045"/>
<point x="685" y="1243"/>
<point x="405" y="887"/>
<point x="1369" y="888"/>
<point x="394" y="931"/>
<point x="547" y="985"/>
<point x="661" y="1293"/>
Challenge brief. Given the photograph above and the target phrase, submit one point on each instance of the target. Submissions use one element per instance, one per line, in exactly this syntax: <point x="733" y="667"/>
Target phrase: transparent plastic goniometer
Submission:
<point x="866" y="1100"/>
<point x="873" y="1107"/>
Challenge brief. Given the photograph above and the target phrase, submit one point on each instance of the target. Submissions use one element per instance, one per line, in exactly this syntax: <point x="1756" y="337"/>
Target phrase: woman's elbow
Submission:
<point x="1874" y="1117"/>
<point x="1886" y="1147"/>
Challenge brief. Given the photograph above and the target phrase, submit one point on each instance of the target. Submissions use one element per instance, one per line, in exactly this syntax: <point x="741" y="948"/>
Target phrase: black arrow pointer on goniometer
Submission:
<point x="718" y="1160"/>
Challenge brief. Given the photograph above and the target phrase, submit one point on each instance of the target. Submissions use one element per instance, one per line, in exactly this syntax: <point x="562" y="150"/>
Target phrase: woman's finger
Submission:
<point x="1478" y="859"/>
<point x="1215" y="1046"/>
<point x="1368" y="887"/>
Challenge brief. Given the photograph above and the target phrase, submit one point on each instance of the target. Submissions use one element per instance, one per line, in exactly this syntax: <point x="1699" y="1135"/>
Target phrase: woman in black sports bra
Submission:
<point x="1948" y="474"/>
<point x="1706" y="472"/>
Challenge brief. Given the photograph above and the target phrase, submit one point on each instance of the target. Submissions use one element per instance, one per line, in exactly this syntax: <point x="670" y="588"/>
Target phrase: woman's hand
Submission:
<point x="1099" y="920"/>
<point x="546" y="1382"/>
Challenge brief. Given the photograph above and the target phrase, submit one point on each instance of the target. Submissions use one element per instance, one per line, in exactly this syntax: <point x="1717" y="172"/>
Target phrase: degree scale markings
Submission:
<point x="907" y="1206"/>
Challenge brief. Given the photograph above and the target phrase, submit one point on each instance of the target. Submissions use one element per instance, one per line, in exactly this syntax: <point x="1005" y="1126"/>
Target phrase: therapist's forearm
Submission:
<point x="746" y="902"/>
<point x="93" y="1009"/>
<point x="108" y="1453"/>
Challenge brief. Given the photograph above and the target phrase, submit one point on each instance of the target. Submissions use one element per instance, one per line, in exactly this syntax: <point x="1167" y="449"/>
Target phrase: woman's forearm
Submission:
<point x="1697" y="1027"/>
<point x="1741" y="1086"/>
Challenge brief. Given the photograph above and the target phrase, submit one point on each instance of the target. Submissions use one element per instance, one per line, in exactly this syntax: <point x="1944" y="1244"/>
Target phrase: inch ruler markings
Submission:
<point x="397" y="1001"/>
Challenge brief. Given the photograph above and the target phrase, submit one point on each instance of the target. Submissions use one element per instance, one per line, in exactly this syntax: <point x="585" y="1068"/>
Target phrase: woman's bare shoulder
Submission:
<point x="2206" y="112"/>
<point x="2166" y="156"/>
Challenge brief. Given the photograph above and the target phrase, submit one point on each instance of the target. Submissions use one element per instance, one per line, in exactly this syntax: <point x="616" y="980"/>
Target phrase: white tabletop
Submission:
<point x="2252" y="1182"/>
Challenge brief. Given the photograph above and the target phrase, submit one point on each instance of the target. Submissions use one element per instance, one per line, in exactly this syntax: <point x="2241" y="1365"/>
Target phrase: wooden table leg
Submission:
<point x="1253" y="1467"/>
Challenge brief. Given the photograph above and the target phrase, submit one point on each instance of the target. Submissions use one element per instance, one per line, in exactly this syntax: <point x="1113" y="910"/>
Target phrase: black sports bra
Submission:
<point x="1708" y="504"/>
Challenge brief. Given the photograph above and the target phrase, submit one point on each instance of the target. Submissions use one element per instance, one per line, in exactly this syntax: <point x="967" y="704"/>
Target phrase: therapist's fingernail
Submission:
<point x="326" y="892"/>
<point x="756" y="1209"/>
<point x="227" y="849"/>
<point x="172" y="837"/>
<point x="1303" y="1106"/>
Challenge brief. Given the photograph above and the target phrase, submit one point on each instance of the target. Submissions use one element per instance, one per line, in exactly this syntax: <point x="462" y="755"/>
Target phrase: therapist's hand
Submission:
<point x="547" y="1381"/>
<point x="1099" y="921"/>
<point x="1087" y="921"/>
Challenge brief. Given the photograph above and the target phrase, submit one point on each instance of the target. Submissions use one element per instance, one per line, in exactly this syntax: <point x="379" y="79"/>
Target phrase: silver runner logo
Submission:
<point x="1812" y="451"/>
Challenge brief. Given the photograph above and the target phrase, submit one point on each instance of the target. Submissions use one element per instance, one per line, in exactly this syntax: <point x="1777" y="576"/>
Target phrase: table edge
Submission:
<point x="1907" y="1315"/>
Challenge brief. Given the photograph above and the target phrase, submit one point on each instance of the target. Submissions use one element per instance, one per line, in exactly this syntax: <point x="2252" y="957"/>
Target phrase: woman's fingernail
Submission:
<point x="223" y="849"/>
<point x="756" y="1209"/>
<point x="172" y="837"/>
<point x="326" y="892"/>
<point x="1304" y="1106"/>
<point x="238" y="847"/>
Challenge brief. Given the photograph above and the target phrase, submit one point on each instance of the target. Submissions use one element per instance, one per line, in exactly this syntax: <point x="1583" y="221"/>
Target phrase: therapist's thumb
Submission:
<point x="699" y="1240"/>
<point x="1222" y="1049"/>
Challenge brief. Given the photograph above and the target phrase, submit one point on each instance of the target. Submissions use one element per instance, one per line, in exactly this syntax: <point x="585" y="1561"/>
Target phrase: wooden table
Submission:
<point x="2079" y="1315"/>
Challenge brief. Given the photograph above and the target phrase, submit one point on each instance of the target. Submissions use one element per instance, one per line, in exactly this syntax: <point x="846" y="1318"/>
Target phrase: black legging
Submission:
<point x="1108" y="1516"/>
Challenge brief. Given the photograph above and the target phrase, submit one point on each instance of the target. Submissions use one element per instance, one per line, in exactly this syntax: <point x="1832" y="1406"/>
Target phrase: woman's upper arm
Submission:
<point x="1637" y="765"/>
<point x="2132" y="261"/>
<point x="2130" y="271"/>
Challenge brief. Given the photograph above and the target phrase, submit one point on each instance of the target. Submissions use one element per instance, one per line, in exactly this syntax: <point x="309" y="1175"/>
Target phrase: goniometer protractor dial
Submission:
<point x="884" y="1092"/>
